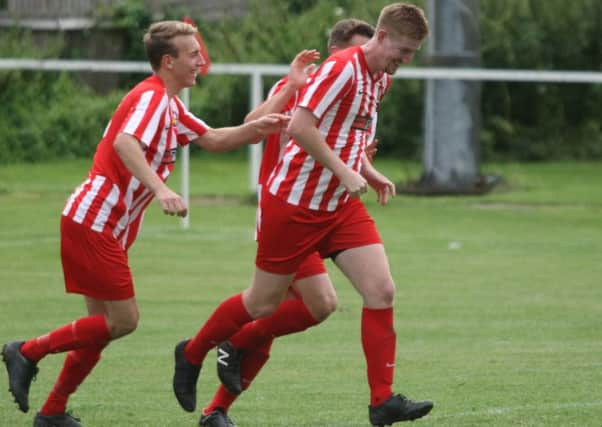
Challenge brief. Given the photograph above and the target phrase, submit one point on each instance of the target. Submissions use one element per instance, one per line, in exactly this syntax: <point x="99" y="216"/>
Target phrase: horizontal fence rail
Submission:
<point x="256" y="72"/>
<point x="426" y="73"/>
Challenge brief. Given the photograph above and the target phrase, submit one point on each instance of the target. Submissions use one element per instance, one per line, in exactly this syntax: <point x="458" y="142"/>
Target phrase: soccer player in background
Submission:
<point x="311" y="198"/>
<point x="102" y="216"/>
<point x="312" y="297"/>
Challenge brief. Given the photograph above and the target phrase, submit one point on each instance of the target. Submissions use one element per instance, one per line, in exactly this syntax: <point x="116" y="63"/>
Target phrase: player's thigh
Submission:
<point x="266" y="292"/>
<point x="318" y="294"/>
<point x="95" y="306"/>
<point x="368" y="270"/>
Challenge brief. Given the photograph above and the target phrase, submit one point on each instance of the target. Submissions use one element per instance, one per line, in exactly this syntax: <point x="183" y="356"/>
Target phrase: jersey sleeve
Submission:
<point x="328" y="85"/>
<point x="144" y="115"/>
<point x="189" y="127"/>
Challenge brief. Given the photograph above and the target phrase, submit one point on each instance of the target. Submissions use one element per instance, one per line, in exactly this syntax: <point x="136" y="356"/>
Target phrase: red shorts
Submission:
<point x="94" y="264"/>
<point x="289" y="234"/>
<point x="310" y="266"/>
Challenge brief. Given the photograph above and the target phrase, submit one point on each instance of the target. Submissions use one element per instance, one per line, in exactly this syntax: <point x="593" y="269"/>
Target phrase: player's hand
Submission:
<point x="383" y="187"/>
<point x="371" y="149"/>
<point x="271" y="123"/>
<point x="171" y="202"/>
<point x="301" y="67"/>
<point x="355" y="184"/>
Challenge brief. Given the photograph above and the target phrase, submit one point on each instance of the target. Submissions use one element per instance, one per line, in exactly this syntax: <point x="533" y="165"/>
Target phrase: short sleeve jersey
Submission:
<point x="111" y="200"/>
<point x="344" y="97"/>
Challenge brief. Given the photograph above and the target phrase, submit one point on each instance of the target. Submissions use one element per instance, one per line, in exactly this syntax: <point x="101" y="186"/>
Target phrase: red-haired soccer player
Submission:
<point x="102" y="217"/>
<point x="311" y="198"/>
<point x="312" y="298"/>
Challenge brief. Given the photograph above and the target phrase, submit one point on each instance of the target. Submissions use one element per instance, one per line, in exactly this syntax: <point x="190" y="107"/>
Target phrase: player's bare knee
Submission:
<point x="324" y="308"/>
<point x="123" y="326"/>
<point x="387" y="295"/>
<point x="380" y="295"/>
<point x="264" y="309"/>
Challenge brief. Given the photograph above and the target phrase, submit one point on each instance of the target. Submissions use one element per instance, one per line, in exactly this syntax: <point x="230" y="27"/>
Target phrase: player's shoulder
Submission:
<point x="342" y="59"/>
<point x="150" y="84"/>
<point x="346" y="55"/>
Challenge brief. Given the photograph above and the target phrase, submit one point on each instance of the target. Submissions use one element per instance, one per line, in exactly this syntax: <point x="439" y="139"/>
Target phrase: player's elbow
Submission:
<point x="249" y="117"/>
<point x="294" y="129"/>
<point x="120" y="143"/>
<point x="210" y="141"/>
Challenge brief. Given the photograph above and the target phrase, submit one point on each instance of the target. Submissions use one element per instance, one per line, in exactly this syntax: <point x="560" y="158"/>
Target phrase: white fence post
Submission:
<point x="255" y="150"/>
<point x="185" y="164"/>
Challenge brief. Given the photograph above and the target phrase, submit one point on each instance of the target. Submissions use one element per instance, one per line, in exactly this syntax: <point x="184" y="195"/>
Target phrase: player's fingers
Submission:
<point x="392" y="189"/>
<point x="164" y="206"/>
<point x="384" y="197"/>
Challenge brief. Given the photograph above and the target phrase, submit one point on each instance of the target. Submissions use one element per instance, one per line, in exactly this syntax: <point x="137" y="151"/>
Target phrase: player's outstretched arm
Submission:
<point x="297" y="76"/>
<point x="228" y="138"/>
<point x="130" y="152"/>
<point x="303" y="129"/>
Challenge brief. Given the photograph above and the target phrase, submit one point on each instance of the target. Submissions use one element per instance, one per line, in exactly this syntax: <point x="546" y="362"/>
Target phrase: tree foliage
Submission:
<point x="48" y="114"/>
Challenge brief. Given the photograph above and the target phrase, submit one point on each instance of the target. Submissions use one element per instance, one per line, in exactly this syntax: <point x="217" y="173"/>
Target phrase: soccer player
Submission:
<point x="310" y="203"/>
<point x="312" y="297"/>
<point x="102" y="217"/>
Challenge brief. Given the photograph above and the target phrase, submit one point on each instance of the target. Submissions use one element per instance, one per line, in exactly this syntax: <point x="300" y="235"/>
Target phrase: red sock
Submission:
<point x="227" y="319"/>
<point x="290" y="317"/>
<point x="378" y="341"/>
<point x="84" y="332"/>
<point x="252" y="363"/>
<point x="78" y="364"/>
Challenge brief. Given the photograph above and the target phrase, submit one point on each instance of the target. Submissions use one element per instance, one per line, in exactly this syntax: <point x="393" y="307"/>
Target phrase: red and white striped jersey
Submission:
<point x="344" y="96"/>
<point x="274" y="143"/>
<point x="111" y="200"/>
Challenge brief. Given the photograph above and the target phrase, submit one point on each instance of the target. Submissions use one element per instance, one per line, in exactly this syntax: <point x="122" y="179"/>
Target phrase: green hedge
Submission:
<point x="49" y="115"/>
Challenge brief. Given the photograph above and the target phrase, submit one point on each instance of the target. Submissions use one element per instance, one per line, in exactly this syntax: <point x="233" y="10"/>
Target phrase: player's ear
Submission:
<point x="167" y="61"/>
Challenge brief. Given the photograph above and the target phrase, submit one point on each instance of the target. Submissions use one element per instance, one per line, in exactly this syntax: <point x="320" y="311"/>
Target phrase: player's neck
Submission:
<point x="172" y="87"/>
<point x="372" y="57"/>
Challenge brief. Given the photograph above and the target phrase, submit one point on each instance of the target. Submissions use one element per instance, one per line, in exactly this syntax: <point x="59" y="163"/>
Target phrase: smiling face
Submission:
<point x="184" y="67"/>
<point x="396" y="50"/>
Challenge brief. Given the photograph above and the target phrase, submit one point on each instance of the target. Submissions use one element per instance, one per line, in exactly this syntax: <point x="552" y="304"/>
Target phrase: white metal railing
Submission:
<point x="278" y="70"/>
<point x="257" y="71"/>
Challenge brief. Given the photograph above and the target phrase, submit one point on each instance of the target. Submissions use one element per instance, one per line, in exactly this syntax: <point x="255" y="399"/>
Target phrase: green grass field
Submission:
<point x="498" y="309"/>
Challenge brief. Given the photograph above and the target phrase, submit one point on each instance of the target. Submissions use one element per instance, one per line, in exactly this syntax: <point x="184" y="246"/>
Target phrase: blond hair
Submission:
<point x="157" y="40"/>
<point x="405" y="19"/>
<point x="344" y="30"/>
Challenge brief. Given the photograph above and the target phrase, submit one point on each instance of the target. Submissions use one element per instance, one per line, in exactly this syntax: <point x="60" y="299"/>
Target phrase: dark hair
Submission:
<point x="345" y="29"/>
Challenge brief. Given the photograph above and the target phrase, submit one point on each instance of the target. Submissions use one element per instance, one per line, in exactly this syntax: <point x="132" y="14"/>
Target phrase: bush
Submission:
<point x="49" y="117"/>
